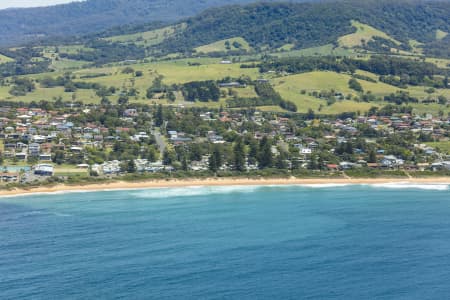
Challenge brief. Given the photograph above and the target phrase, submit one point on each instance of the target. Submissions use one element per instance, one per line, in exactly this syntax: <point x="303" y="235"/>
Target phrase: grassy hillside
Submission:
<point x="297" y="88"/>
<point x="440" y="35"/>
<point x="226" y="45"/>
<point x="364" y="33"/>
<point x="4" y="59"/>
<point x="148" y="38"/>
<point x="326" y="50"/>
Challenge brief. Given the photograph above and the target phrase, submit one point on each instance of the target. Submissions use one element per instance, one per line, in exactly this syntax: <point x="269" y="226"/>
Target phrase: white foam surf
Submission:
<point x="193" y="191"/>
<point x="407" y="185"/>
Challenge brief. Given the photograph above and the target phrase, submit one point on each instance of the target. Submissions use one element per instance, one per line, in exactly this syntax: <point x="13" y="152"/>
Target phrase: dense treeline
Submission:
<point x="105" y="52"/>
<point x="308" y="64"/>
<point x="401" y="98"/>
<point x="201" y="91"/>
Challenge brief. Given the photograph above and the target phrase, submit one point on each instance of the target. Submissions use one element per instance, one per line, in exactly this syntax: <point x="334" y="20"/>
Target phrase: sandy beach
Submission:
<point x="174" y="183"/>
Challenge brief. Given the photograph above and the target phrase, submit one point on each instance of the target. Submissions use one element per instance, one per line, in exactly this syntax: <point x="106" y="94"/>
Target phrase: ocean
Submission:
<point x="287" y="242"/>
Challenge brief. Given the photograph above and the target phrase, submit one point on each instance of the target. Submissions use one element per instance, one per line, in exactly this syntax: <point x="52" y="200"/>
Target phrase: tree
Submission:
<point x="149" y="94"/>
<point x="253" y="152"/>
<point x="105" y="101"/>
<point x="215" y="159"/>
<point x="239" y="155"/>
<point x="355" y="85"/>
<point x="184" y="163"/>
<point x="348" y="148"/>
<point x="159" y="116"/>
<point x="131" y="166"/>
<point x="281" y="161"/>
<point x="168" y="157"/>
<point x="442" y="100"/>
<point x="310" y="115"/>
<point x="123" y="100"/>
<point x="372" y="156"/>
<point x="171" y="96"/>
<point x="265" y="158"/>
<point x="127" y="70"/>
<point x="58" y="157"/>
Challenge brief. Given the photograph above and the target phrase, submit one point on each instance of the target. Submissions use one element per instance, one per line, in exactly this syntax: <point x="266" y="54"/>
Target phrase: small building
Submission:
<point x="45" y="157"/>
<point x="44" y="170"/>
<point x="34" y="149"/>
<point x="232" y="85"/>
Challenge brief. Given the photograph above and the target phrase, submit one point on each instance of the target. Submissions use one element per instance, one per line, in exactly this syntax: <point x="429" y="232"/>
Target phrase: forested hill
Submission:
<point x="312" y="24"/>
<point x="21" y="25"/>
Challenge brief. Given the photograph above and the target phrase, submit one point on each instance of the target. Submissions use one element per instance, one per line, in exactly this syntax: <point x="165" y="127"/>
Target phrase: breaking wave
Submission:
<point x="194" y="191"/>
<point x="435" y="187"/>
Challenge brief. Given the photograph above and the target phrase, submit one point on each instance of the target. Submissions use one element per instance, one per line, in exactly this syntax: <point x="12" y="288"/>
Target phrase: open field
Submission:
<point x="441" y="34"/>
<point x="440" y="62"/>
<point x="220" y="46"/>
<point x="365" y="33"/>
<point x="4" y="59"/>
<point x="328" y="49"/>
<point x="64" y="64"/>
<point x="70" y="171"/>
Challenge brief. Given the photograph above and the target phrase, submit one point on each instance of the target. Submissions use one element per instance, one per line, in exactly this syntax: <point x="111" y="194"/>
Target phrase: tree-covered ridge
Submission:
<point x="311" y="24"/>
<point x="79" y="18"/>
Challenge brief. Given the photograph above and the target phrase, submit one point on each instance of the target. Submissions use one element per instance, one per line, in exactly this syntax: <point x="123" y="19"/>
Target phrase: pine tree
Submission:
<point x="215" y="160"/>
<point x="131" y="167"/>
<point x="184" y="163"/>
<point x="265" y="158"/>
<point x="281" y="161"/>
<point x="239" y="156"/>
<point x="372" y="156"/>
<point x="159" y="116"/>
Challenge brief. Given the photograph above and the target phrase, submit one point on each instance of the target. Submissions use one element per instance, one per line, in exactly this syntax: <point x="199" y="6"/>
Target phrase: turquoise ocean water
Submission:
<point x="292" y="242"/>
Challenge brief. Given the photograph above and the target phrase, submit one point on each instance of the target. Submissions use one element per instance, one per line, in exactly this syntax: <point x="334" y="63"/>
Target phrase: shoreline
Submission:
<point x="177" y="183"/>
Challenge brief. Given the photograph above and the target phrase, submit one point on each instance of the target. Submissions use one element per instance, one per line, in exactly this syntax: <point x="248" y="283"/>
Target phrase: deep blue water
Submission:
<point x="350" y="242"/>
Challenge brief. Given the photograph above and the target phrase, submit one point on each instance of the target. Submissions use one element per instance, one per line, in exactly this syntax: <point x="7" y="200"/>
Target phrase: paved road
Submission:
<point x="159" y="140"/>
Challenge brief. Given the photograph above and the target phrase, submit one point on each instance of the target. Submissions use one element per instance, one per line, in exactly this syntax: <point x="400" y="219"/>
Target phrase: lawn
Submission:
<point x="441" y="146"/>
